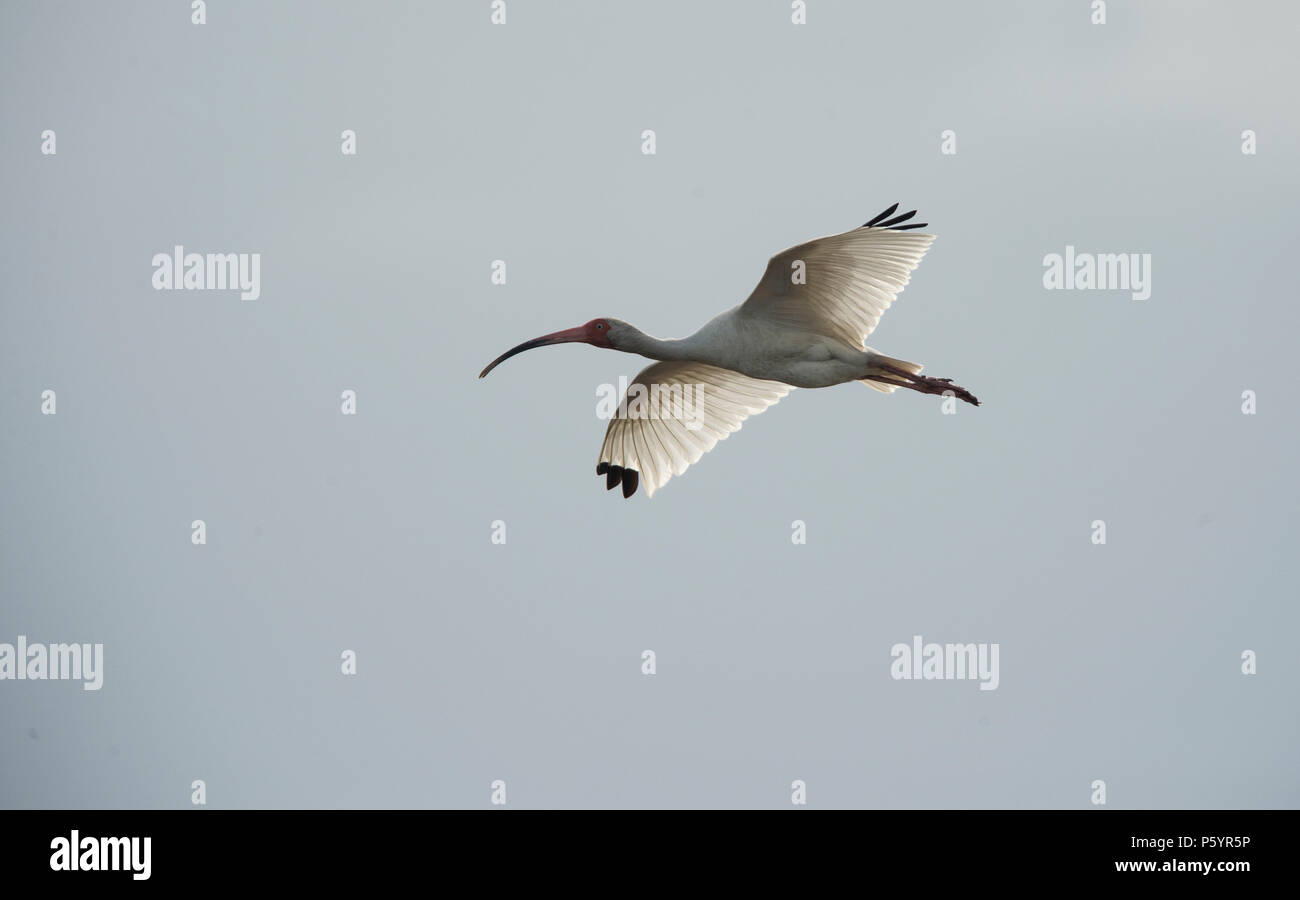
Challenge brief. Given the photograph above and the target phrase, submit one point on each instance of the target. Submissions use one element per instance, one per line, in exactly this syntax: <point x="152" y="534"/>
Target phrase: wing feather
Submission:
<point x="655" y="440"/>
<point x="849" y="279"/>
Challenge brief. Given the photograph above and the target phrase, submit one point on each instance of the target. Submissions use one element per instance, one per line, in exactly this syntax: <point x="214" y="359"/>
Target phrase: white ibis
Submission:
<point x="805" y="325"/>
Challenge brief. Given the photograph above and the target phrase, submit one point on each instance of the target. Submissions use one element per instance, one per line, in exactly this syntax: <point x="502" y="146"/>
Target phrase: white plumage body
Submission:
<point x="763" y="349"/>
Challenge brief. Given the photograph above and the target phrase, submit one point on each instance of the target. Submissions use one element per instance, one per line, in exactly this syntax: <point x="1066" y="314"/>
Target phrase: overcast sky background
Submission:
<point x="522" y="662"/>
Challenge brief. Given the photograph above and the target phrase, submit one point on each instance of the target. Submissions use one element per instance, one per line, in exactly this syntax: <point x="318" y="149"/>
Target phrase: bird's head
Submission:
<point x="598" y="332"/>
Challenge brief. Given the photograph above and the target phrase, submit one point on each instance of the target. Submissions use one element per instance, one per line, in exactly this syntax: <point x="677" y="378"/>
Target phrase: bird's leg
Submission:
<point x="925" y="384"/>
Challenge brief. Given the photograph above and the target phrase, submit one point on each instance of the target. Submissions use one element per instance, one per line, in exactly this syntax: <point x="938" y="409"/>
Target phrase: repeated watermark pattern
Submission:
<point x="34" y="661"/>
<point x="683" y="402"/>
<point x="946" y="662"/>
<point x="181" y="271"/>
<point x="1072" y="271"/>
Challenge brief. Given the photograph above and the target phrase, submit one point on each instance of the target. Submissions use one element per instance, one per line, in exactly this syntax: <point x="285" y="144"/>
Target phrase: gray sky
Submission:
<point x="522" y="662"/>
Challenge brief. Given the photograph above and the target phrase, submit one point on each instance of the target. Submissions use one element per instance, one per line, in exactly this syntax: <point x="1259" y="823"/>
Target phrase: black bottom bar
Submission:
<point x="336" y="848"/>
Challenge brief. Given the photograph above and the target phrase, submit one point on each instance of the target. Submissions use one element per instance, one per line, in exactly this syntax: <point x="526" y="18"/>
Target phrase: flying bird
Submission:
<point x="805" y="325"/>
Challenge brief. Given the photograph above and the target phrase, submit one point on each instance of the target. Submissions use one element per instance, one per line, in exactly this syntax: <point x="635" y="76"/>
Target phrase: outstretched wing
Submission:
<point x="674" y="413"/>
<point x="847" y="281"/>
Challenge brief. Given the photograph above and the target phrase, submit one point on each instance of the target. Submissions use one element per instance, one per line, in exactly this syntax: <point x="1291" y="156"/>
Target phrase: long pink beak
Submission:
<point x="568" y="336"/>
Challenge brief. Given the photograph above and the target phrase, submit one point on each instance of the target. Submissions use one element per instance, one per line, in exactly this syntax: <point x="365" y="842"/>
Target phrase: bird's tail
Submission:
<point x="884" y="385"/>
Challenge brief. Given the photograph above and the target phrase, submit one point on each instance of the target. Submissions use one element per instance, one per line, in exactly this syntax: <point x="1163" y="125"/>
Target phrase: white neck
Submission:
<point x="635" y="341"/>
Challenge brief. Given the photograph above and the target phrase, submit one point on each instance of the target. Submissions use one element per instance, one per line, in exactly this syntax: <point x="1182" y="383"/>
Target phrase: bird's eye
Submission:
<point x="600" y="325"/>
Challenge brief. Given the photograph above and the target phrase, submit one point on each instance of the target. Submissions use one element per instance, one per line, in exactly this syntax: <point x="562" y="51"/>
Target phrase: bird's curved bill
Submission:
<point x="568" y="336"/>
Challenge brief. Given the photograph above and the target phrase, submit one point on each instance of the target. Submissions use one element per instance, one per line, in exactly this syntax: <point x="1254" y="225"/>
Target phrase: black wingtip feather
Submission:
<point x="630" y="479"/>
<point x="894" y="221"/>
<point x="602" y="468"/>
<point x="884" y="215"/>
<point x="613" y="477"/>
